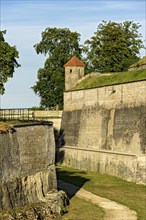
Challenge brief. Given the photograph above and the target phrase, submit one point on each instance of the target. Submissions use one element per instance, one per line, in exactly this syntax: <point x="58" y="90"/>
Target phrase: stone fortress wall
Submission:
<point x="27" y="170"/>
<point x="104" y="130"/>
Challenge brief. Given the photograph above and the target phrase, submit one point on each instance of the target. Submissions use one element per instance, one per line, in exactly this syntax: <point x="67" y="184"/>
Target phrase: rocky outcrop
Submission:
<point x="54" y="205"/>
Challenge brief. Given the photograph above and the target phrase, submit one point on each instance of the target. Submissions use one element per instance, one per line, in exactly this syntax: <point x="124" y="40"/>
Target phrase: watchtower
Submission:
<point x="74" y="70"/>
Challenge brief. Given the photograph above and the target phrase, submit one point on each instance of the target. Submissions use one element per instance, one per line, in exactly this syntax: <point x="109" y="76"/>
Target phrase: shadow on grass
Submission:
<point x="70" y="181"/>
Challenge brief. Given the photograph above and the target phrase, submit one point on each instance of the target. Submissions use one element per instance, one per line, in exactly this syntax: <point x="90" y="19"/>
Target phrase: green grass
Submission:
<point x="121" y="191"/>
<point x="93" y="81"/>
<point x="80" y="209"/>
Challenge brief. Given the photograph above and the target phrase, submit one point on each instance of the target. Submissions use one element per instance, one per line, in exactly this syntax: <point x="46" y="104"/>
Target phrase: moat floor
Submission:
<point x="113" y="210"/>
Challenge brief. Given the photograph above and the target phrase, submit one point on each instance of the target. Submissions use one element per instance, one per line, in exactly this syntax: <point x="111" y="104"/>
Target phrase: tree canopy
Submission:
<point x="114" y="47"/>
<point x="59" y="45"/>
<point x="8" y="62"/>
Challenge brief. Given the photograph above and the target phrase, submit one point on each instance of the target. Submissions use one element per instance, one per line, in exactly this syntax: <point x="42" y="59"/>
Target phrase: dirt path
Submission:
<point x="113" y="210"/>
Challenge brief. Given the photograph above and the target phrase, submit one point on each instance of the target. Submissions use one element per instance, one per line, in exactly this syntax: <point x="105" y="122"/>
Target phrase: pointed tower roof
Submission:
<point x="74" y="61"/>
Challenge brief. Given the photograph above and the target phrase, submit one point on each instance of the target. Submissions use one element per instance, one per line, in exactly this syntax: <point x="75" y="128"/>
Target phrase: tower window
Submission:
<point x="70" y="70"/>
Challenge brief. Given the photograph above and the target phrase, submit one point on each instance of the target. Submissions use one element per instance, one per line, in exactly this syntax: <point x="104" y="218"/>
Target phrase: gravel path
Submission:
<point x="113" y="210"/>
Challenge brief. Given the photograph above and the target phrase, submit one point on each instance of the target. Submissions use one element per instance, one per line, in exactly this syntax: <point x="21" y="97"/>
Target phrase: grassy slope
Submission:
<point x="126" y="193"/>
<point x="114" y="78"/>
<point x="139" y="62"/>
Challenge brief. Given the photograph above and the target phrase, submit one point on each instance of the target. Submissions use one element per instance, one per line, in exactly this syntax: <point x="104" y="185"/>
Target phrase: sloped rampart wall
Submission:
<point x="104" y="130"/>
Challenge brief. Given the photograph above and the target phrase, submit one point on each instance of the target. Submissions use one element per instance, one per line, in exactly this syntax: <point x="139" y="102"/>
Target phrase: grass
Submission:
<point x="7" y="125"/>
<point x="139" y="62"/>
<point x="93" y="81"/>
<point x="80" y="209"/>
<point x="121" y="191"/>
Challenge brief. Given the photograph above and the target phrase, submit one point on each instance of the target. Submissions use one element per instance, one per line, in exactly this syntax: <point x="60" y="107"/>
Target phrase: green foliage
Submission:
<point x="59" y="44"/>
<point x="37" y="108"/>
<point x="92" y="81"/>
<point x="8" y="55"/>
<point x="114" y="47"/>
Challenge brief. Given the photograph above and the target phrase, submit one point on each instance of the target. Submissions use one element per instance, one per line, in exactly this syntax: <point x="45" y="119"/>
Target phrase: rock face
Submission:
<point x="27" y="166"/>
<point x="55" y="205"/>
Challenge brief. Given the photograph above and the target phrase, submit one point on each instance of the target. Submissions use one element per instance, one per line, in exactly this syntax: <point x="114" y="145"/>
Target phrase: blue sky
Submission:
<point x="24" y="21"/>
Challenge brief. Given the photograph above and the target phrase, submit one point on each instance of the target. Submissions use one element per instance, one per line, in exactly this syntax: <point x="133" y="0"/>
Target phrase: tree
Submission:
<point x="59" y="44"/>
<point x="114" y="47"/>
<point x="8" y="55"/>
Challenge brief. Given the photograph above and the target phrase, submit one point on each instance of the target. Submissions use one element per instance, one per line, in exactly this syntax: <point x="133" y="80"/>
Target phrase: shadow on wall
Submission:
<point x="59" y="143"/>
<point x="59" y="137"/>
<point x="70" y="177"/>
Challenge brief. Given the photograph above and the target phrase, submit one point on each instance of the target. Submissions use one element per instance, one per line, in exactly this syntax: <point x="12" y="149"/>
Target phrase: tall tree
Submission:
<point x="8" y="62"/>
<point x="59" y="44"/>
<point x="114" y="47"/>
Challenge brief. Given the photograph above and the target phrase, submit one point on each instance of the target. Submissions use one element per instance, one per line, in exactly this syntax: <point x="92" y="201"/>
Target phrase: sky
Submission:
<point x="25" y="20"/>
